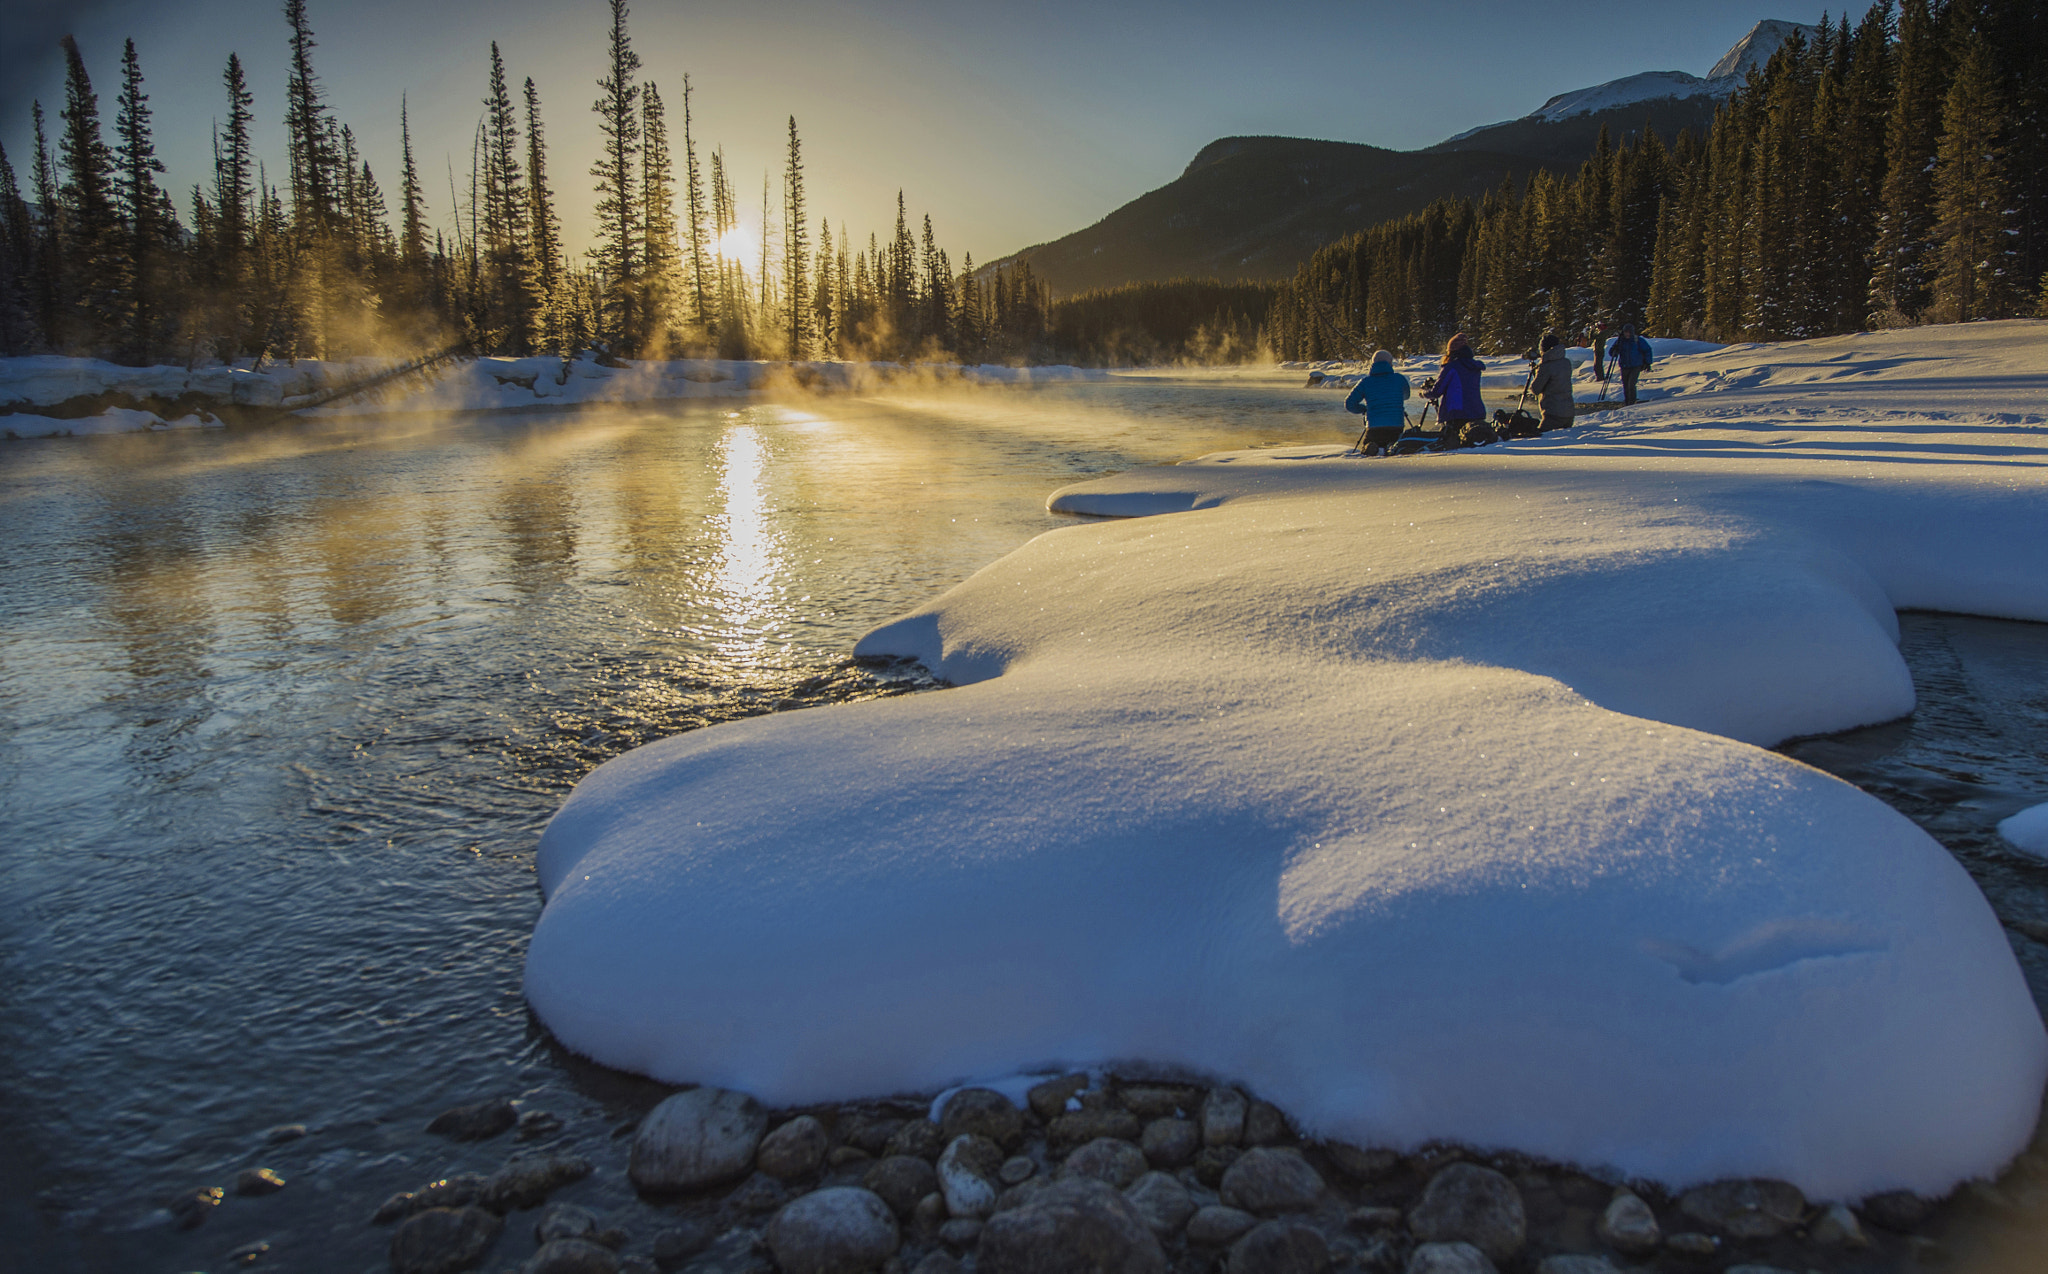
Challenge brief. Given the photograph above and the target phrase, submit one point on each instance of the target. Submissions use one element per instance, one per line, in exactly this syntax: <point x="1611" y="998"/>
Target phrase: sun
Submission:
<point x="738" y="245"/>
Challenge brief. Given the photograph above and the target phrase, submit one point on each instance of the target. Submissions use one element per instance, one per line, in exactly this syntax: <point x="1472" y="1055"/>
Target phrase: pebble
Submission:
<point x="565" y="1221"/>
<point x="1265" y="1180"/>
<point x="930" y="1213"/>
<point x="1896" y="1209"/>
<point x="796" y="1149"/>
<point x="961" y="1232"/>
<point x="982" y="1112"/>
<point x="1048" y="1101"/>
<point x="479" y="1121"/>
<point x="1574" y="1263"/>
<point x="258" y="1181"/>
<point x="1223" y="1115"/>
<point x="678" y="1243"/>
<point x="458" y="1191"/>
<point x="283" y="1133"/>
<point x="1360" y="1165"/>
<point x="1466" y="1203"/>
<point x="1692" y="1245"/>
<point x="847" y="1157"/>
<point x="757" y="1195"/>
<point x="1373" y="1217"/>
<point x="1153" y="1101"/>
<point x="901" y="1181"/>
<point x="571" y="1256"/>
<point x="1016" y="1169"/>
<point x="1072" y="1225"/>
<point x="837" y="1230"/>
<point x="696" y="1139"/>
<point x="919" y="1137"/>
<point x="1211" y="1162"/>
<point x="1837" y="1227"/>
<point x="526" y="1183"/>
<point x="1264" y="1125"/>
<point x="1628" y="1225"/>
<point x="1756" y="1209"/>
<point x="535" y="1124"/>
<point x="937" y="1263"/>
<point x="1448" y="1258"/>
<point x="189" y="1211"/>
<point x="967" y="1175"/>
<point x="443" y="1240"/>
<point x="1280" y="1247"/>
<point x="1171" y="1143"/>
<point x="1755" y="1269"/>
<point x="1163" y="1201"/>
<point x="1106" y="1159"/>
<point x="1217" y="1224"/>
<point x="248" y="1253"/>
<point x="1079" y="1127"/>
<point x="871" y="1133"/>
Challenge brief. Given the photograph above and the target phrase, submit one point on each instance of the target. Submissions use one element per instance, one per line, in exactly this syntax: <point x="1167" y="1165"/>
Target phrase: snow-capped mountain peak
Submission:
<point x="1727" y="75"/>
<point x="1756" y="48"/>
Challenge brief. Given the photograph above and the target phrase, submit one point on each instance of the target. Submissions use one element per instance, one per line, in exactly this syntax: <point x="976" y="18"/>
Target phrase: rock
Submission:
<point x="632" y="1264"/>
<point x="1106" y="1159"/>
<point x="837" y="1230"/>
<point x="796" y="1149"/>
<point x="847" y="1157"/>
<point x="1217" y="1225"/>
<point x="1899" y="1210"/>
<point x="1074" y="1226"/>
<point x="1021" y="1194"/>
<point x="189" y="1211"/>
<point x="1163" y="1201"/>
<point x="1757" y="1209"/>
<point x="1360" y="1165"/>
<point x="458" y="1191"/>
<point x="571" y="1256"/>
<point x="1170" y="1143"/>
<point x="1837" y="1227"/>
<point x="477" y="1122"/>
<point x="937" y="1263"/>
<point x="982" y="1112"/>
<point x="1692" y="1245"/>
<point x="679" y="1242"/>
<point x="930" y="1213"/>
<point x="248" y="1253"/>
<point x="1574" y="1263"/>
<point x="1756" y="1269"/>
<point x="258" y="1181"/>
<point x="526" y="1183"/>
<point x="1448" y="1258"/>
<point x="612" y="1237"/>
<point x="535" y="1124"/>
<point x="1223" y="1117"/>
<point x="967" y="1175"/>
<point x="901" y="1181"/>
<point x="700" y="1138"/>
<point x="1211" y="1162"/>
<point x="1154" y="1101"/>
<point x="919" y="1137"/>
<point x="960" y="1232"/>
<point x="756" y="1196"/>
<point x="1279" y="1247"/>
<point x="565" y="1221"/>
<point x="1628" y="1225"/>
<point x="1016" y="1169"/>
<point x="443" y="1240"/>
<point x="1371" y="1217"/>
<point x="1466" y="1203"/>
<point x="1079" y="1127"/>
<point x="1264" y="1125"/>
<point x="1049" y="1100"/>
<point x="1266" y="1180"/>
<point x="283" y="1133"/>
<point x="871" y="1133"/>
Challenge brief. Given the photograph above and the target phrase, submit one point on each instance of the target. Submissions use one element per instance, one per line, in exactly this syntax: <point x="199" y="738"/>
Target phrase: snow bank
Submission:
<point x="1420" y="795"/>
<point x="2028" y="829"/>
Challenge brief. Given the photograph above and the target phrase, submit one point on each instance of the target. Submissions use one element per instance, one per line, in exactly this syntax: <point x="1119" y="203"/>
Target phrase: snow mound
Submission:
<point x="1420" y="795"/>
<point x="2028" y="829"/>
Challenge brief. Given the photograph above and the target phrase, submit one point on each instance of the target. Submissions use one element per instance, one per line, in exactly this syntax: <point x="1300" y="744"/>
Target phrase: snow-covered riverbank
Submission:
<point x="1425" y="796"/>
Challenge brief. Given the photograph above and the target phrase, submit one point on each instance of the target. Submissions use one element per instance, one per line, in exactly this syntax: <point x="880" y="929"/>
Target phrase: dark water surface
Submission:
<point x="282" y="713"/>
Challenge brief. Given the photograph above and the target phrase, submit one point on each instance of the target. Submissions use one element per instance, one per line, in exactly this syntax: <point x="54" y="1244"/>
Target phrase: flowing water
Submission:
<point x="282" y="712"/>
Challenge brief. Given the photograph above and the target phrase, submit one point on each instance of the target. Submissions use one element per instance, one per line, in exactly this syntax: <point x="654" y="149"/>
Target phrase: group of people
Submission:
<point x="1454" y="391"/>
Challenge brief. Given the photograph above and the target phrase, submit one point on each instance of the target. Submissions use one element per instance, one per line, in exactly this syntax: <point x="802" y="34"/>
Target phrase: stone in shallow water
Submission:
<point x="700" y="1138"/>
<point x="1753" y="1209"/>
<point x="258" y="1181"/>
<point x="478" y="1121"/>
<point x="190" y="1210"/>
<point x="1106" y="1159"/>
<point x="565" y="1221"/>
<point x="1448" y="1258"/>
<point x="526" y="1183"/>
<point x="571" y="1256"/>
<point x="1466" y="1203"/>
<point x="983" y="1112"/>
<point x="443" y="1240"/>
<point x="1265" y="1180"/>
<point x="535" y="1124"/>
<point x="1075" y="1226"/>
<point x="1280" y="1247"/>
<point x="901" y="1181"/>
<point x="838" y="1230"/>
<point x="680" y="1242"/>
<point x="796" y="1149"/>
<point x="1629" y="1226"/>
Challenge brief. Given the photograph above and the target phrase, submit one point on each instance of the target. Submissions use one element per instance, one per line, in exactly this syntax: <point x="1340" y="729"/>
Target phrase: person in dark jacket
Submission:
<point x="1457" y="391"/>
<point x="1597" y="338"/>
<point x="1632" y="359"/>
<point x="1553" y="384"/>
<point x="1378" y="397"/>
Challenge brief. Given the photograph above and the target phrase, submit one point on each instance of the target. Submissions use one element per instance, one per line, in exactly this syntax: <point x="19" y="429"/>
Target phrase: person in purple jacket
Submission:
<point x="1456" y="394"/>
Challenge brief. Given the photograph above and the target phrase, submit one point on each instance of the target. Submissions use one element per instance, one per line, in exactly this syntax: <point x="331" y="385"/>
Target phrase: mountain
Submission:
<point x="1255" y="208"/>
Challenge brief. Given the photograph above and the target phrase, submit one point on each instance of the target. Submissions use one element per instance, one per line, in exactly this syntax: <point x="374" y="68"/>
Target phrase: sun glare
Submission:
<point x="738" y="245"/>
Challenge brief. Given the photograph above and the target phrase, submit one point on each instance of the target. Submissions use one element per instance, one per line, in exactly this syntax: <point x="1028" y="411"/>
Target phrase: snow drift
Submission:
<point x="1422" y="796"/>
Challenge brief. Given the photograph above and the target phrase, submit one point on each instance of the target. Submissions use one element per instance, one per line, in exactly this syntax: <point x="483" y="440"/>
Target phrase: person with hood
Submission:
<point x="1632" y="359"/>
<point x="1378" y="397"/>
<point x="1597" y="338"/>
<point x="1456" y="394"/>
<point x="1553" y="384"/>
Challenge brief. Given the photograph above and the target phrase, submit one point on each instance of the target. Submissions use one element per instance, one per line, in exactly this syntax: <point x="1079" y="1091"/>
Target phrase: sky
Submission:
<point x="1009" y="124"/>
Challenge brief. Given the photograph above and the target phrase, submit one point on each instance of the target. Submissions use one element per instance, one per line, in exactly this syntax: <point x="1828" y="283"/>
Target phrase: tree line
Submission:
<point x="96" y="261"/>
<point x="1883" y="174"/>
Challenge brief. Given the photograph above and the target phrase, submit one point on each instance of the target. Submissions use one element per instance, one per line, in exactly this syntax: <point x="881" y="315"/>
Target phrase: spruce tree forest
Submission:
<point x="1890" y="173"/>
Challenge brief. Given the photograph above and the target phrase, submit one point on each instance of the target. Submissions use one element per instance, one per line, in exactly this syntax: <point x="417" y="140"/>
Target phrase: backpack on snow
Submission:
<point x="1519" y="423"/>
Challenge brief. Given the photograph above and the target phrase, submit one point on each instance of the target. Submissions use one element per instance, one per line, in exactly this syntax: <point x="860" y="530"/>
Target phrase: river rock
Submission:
<point x="919" y="1137"/>
<point x="190" y="1210"/>
<point x="443" y="1240"/>
<point x="1692" y="1245"/>
<point x="1370" y="1217"/>
<point x="1106" y="1159"/>
<point x="1360" y="1165"/>
<point x="796" y="1149"/>
<point x="1170" y="1143"/>
<point x="571" y="1256"/>
<point x="1899" y="1210"/>
<point x="1280" y="1247"/>
<point x="1448" y="1258"/>
<point x="565" y="1221"/>
<point x="1211" y="1162"/>
<point x="535" y="1124"/>
<point x="870" y="1133"/>
<point x="281" y="1133"/>
<point x="982" y="1112"/>
<point x="458" y="1191"/>
<point x="1163" y="1201"/>
<point x="937" y="1263"/>
<point x="1217" y="1224"/>
<point x="1266" y="1180"/>
<point x="967" y="1175"/>
<point x="1755" y="1209"/>
<point x="526" y="1183"/>
<point x="1264" y="1125"/>
<point x="1049" y="1100"/>
<point x="847" y="1157"/>
<point x="1466" y="1203"/>
<point x="837" y="1230"/>
<point x="1016" y="1170"/>
<point x="758" y="1195"/>
<point x="901" y="1181"/>
<point x="1153" y="1101"/>
<point x="960" y="1232"/>
<point x="479" y="1121"/>
<point x="679" y="1242"/>
<point x="1628" y="1225"/>
<point x="1075" y="1226"/>
<point x="696" y="1139"/>
<point x="1223" y="1117"/>
<point x="256" y="1182"/>
<point x="1837" y="1227"/>
<point x="1079" y="1127"/>
<point x="930" y="1213"/>
<point x="1575" y="1263"/>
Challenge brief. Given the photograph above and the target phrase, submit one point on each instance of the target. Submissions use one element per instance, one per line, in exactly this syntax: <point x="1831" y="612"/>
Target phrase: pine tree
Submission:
<point x="795" y="249"/>
<point x="700" y="311"/>
<point x="151" y="242"/>
<point x="660" y="254"/>
<point x="46" y="279"/>
<point x="415" y="266"/>
<point x="544" y="280"/>
<point x="617" y="254"/>
<point x="1978" y="270"/>
<point x="95" y="255"/>
<point x="17" y="260"/>
<point x="313" y="162"/>
<point x="505" y="307"/>
<point x="1901" y="275"/>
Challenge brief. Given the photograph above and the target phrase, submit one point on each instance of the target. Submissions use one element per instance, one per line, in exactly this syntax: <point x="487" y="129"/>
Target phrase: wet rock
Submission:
<point x="838" y="1230"/>
<point x="565" y="1221"/>
<point x="901" y="1181"/>
<point x="256" y="1182"/>
<point x="1021" y="1194"/>
<point x="796" y="1149"/>
<point x="871" y="1133"/>
<point x="1163" y="1201"/>
<point x="847" y="1157"/>
<point x="248" y="1253"/>
<point x="930" y="1213"/>
<point x="190" y="1210"/>
<point x="443" y="1240"/>
<point x="919" y="1137"/>
<point x="1265" y="1180"/>
<point x="526" y="1183"/>
<point x="982" y="1112"/>
<point x="937" y="1263"/>
<point x="1049" y="1100"/>
<point x="1079" y="1127"/>
<point x="1899" y="1210"/>
<point x="1575" y="1263"/>
<point x="612" y="1237"/>
<point x="1628" y="1225"/>
<point x="1280" y="1247"/>
<point x="1223" y="1115"/>
<point x="700" y="1138"/>
<point x="1264" y="1125"/>
<point x="1374" y="1217"/>
<point x="1360" y="1165"/>
<point x="1466" y="1203"/>
<point x="1217" y="1225"/>
<point x="1106" y="1159"/>
<point x="571" y="1256"/>
<point x="1756" y="1269"/>
<point x="1757" y="1209"/>
<point x="960" y="1232"/>
<point x="633" y="1264"/>
<point x="679" y="1242"/>
<point x="535" y="1124"/>
<point x="1170" y="1143"/>
<point x="458" y="1191"/>
<point x="1448" y="1258"/>
<point x="967" y="1175"/>
<point x="1692" y="1245"/>
<point x="283" y="1133"/>
<point x="1837" y="1227"/>
<point x="756" y="1196"/>
<point x="1016" y="1170"/>
<point x="479" y="1121"/>
<point x="1074" y="1226"/>
<point x="1211" y="1162"/>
